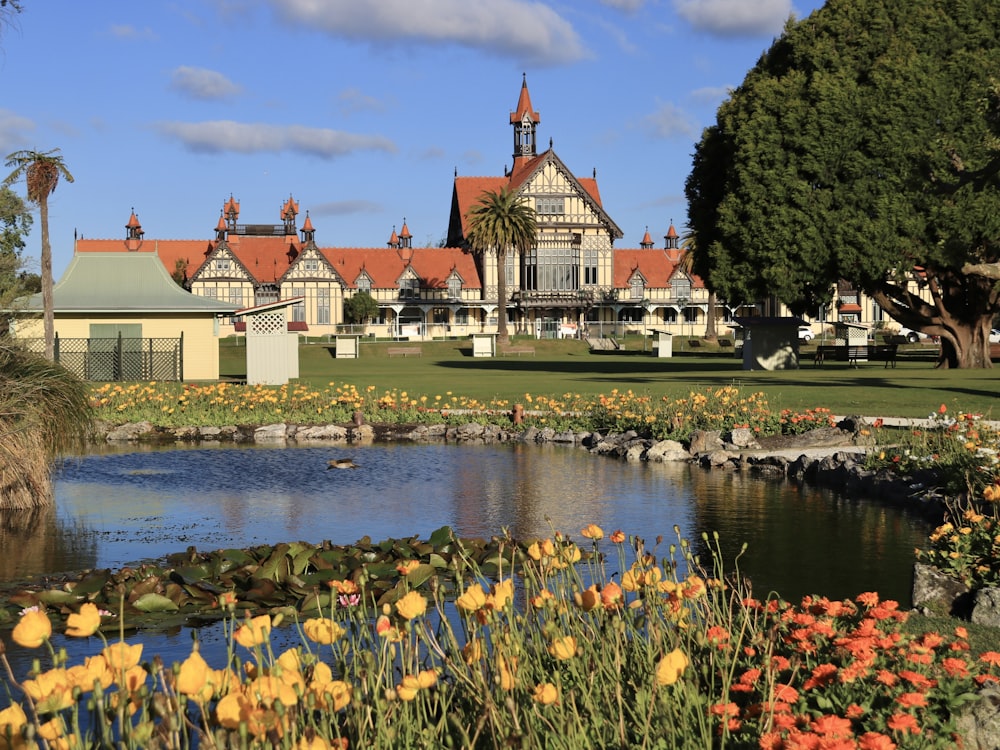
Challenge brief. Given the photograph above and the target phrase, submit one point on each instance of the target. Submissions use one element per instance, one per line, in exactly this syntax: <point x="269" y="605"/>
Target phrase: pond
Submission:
<point x="123" y="506"/>
<point x="120" y="507"/>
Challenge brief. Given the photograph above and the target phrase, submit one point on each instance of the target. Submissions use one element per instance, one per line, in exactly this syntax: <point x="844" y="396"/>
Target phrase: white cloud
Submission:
<point x="525" y="30"/>
<point x="222" y="136"/>
<point x="125" y="31"/>
<point x="351" y="101"/>
<point x="711" y="94"/>
<point x="14" y="131"/>
<point x="736" y="17"/>
<point x="629" y="6"/>
<point x="345" y="208"/>
<point x="668" y="121"/>
<point x="200" y="83"/>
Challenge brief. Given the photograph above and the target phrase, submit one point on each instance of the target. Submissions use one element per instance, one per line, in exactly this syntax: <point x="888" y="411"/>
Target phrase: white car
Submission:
<point x="910" y="335"/>
<point x="806" y="333"/>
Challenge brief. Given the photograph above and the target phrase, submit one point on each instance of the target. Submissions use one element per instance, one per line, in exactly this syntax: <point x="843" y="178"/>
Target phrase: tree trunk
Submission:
<point x="503" y="339"/>
<point x="711" y="329"/>
<point x="966" y="346"/>
<point x="48" y="315"/>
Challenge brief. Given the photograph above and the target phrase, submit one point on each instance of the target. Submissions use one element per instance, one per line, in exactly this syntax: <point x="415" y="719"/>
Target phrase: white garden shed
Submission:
<point x="272" y="351"/>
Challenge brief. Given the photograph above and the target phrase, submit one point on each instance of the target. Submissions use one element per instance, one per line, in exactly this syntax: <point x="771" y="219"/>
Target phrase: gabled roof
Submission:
<point x="123" y="282"/>
<point x="191" y="253"/>
<point x="384" y="266"/>
<point x="657" y="267"/>
<point x="467" y="190"/>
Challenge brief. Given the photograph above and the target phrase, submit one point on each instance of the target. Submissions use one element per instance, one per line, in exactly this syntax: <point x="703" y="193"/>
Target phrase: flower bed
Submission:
<point x="533" y="645"/>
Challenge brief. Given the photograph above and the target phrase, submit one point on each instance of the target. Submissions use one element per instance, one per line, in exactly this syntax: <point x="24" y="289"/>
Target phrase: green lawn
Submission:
<point x="913" y="389"/>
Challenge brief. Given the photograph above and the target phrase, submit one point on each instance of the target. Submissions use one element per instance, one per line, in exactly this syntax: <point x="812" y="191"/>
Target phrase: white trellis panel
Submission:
<point x="272" y="352"/>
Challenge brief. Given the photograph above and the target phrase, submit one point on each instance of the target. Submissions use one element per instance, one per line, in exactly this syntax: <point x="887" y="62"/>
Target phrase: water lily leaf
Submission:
<point x="420" y="574"/>
<point x="381" y="570"/>
<point x="442" y="537"/>
<point x="154" y="603"/>
<point x="302" y="558"/>
<point x="237" y="556"/>
<point x="438" y="562"/>
<point x="57" y="596"/>
<point x="193" y="574"/>
<point x="92" y="583"/>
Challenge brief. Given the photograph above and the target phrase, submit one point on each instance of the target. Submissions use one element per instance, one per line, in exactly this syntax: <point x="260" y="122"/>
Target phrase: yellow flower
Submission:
<point x="593" y="531"/>
<point x="507" y="667"/>
<point x="473" y="599"/>
<point x="254" y="632"/>
<point x="331" y="696"/>
<point x="563" y="648"/>
<point x="85" y="622"/>
<point x="33" y="629"/>
<point x="322" y="630"/>
<point x="671" y="667"/>
<point x="193" y="677"/>
<point x="412" y="605"/>
<point x="546" y="693"/>
<point x="472" y="651"/>
<point x="405" y="567"/>
<point x="51" y="691"/>
<point x="503" y="592"/>
<point x="412" y="684"/>
<point x="12" y="719"/>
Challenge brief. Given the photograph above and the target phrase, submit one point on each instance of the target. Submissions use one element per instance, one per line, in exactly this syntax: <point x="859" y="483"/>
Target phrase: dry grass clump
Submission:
<point x="44" y="411"/>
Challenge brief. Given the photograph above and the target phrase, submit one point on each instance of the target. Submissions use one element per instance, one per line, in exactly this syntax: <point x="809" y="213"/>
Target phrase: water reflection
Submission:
<point x="115" y="509"/>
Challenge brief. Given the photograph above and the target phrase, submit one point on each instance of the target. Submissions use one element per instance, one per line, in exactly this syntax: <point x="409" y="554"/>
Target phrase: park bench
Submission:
<point x="404" y="351"/>
<point x="517" y="350"/>
<point x="883" y="353"/>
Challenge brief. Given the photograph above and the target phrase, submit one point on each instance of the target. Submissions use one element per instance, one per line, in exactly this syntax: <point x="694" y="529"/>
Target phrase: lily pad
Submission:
<point x="154" y="603"/>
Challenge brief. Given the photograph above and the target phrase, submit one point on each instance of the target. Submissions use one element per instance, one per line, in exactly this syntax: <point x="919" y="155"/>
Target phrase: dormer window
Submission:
<point x="680" y="287"/>
<point x="409" y="288"/>
<point x="637" y="287"/>
<point x="454" y="287"/>
<point x="364" y="284"/>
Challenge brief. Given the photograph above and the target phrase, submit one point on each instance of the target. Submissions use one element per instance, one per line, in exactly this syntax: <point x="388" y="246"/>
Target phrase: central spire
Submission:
<point x="524" y="119"/>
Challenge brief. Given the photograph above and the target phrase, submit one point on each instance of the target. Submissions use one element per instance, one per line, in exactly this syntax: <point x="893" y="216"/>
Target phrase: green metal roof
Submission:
<point x="123" y="282"/>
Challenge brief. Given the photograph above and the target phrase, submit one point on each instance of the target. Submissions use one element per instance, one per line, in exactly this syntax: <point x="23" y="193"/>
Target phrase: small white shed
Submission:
<point x="663" y="344"/>
<point x="272" y="352"/>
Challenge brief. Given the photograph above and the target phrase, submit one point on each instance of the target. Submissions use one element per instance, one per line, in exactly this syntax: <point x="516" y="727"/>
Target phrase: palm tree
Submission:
<point x="41" y="171"/>
<point x="501" y="223"/>
<point x="690" y="244"/>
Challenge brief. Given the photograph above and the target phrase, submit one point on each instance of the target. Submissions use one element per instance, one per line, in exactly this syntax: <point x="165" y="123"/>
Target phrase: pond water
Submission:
<point x="121" y="507"/>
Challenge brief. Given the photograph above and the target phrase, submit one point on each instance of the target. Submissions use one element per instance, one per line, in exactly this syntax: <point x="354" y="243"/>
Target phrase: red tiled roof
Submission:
<point x="524" y="105"/>
<point x="265" y="258"/>
<point x="656" y="266"/>
<point x="384" y="266"/>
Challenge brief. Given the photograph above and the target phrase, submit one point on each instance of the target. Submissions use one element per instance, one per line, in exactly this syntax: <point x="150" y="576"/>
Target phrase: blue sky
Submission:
<point x="361" y="109"/>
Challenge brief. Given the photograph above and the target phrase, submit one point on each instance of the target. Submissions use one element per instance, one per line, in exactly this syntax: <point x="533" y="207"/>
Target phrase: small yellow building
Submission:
<point x="120" y="316"/>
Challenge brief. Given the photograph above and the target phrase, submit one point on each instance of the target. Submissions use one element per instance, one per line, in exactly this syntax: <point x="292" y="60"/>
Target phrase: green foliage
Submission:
<point x="360" y="308"/>
<point x="861" y="146"/>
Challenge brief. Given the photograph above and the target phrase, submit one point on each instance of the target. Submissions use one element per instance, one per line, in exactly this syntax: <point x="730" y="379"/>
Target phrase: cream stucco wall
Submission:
<point x="201" y="344"/>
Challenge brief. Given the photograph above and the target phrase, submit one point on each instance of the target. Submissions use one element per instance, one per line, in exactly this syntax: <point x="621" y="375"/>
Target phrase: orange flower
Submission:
<point x="912" y="700"/>
<point x="192" y="677"/>
<point x="406" y="567"/>
<point x="473" y="599"/>
<point x="612" y="595"/>
<point x="412" y="605"/>
<point x="875" y="741"/>
<point x="563" y="648"/>
<point x="507" y="668"/>
<point x="121" y="656"/>
<point x="592" y="531"/>
<point x="546" y="693"/>
<point x="85" y="622"/>
<point x="617" y="536"/>
<point x="33" y="629"/>
<point x="254" y="632"/>
<point x="905" y="723"/>
<point x="822" y="676"/>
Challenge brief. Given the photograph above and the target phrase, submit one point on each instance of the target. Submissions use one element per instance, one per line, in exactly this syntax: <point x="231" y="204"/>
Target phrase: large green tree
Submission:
<point x="864" y="145"/>
<point x="501" y="223"/>
<point x="15" y="223"/>
<point x="41" y="171"/>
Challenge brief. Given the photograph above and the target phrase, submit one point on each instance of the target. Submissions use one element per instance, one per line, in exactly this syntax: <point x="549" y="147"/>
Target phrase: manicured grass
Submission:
<point x="913" y="389"/>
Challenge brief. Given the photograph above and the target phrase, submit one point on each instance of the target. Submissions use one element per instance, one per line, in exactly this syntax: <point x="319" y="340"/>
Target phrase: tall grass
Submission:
<point x="44" y="410"/>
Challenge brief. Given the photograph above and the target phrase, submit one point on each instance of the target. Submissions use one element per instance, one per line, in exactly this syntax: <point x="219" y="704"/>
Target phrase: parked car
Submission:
<point x="995" y="336"/>
<point x="910" y="335"/>
<point x="806" y="333"/>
